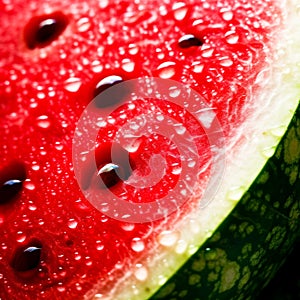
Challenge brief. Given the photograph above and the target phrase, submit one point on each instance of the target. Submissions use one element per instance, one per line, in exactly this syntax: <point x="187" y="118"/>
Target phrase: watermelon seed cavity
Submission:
<point x="112" y="98"/>
<point x="188" y="41"/>
<point x="11" y="181"/>
<point x="41" y="31"/>
<point x="27" y="258"/>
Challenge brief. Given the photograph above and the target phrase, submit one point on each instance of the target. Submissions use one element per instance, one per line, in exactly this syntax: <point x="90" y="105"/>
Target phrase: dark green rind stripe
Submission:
<point x="252" y="243"/>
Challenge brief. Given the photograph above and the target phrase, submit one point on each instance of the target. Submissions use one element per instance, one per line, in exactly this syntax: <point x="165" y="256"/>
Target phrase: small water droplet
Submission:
<point x="21" y="237"/>
<point x="32" y="207"/>
<point x="72" y="224"/>
<point x="83" y="24"/>
<point x="127" y="65"/>
<point x="72" y="84"/>
<point x="133" y="49"/>
<point x="43" y="121"/>
<point x="127" y="226"/>
<point x="141" y="273"/>
<point x="180" y="129"/>
<point x="268" y="151"/>
<point x="180" y="10"/>
<point x="166" y="69"/>
<point x="208" y="52"/>
<point x="168" y="238"/>
<point x="197" y="67"/>
<point x="227" y="15"/>
<point x="29" y="185"/>
<point x="97" y="67"/>
<point x="137" y="245"/>
<point x="174" y="92"/>
<point x="231" y="37"/>
<point x="226" y="62"/>
<point x="181" y="247"/>
<point x="236" y="193"/>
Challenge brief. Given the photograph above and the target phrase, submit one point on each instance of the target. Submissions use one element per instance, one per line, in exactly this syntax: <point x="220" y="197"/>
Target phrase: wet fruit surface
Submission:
<point x="51" y="68"/>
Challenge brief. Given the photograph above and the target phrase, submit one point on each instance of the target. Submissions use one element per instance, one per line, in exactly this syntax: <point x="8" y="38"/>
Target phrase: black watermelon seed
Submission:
<point x="43" y="30"/>
<point x="11" y="181"/>
<point x="27" y="258"/>
<point x="112" y="97"/>
<point x="188" y="41"/>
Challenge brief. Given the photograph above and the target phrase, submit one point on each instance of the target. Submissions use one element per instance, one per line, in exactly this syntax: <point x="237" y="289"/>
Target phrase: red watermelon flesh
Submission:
<point x="54" y="243"/>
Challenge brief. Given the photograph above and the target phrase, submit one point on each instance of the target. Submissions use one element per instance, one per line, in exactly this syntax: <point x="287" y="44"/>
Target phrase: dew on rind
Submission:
<point x="41" y="31"/>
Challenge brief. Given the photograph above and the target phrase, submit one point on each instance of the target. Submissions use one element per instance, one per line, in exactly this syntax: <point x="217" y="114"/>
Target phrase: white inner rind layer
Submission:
<point x="261" y="133"/>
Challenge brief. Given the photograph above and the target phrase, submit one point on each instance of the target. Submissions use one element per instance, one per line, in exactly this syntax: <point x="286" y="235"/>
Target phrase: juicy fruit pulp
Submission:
<point x="55" y="57"/>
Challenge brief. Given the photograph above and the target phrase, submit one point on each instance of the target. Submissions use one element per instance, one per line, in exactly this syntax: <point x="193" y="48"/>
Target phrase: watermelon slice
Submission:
<point x="214" y="88"/>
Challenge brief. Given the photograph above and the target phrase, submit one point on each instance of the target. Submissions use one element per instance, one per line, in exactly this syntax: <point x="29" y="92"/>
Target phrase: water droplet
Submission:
<point x="83" y="24"/>
<point x="174" y="91"/>
<point x="141" y="273"/>
<point x="97" y="67"/>
<point x="181" y="247"/>
<point x="166" y="69"/>
<point x="127" y="65"/>
<point x="137" y="245"/>
<point x="32" y="207"/>
<point x="208" y="52"/>
<point x="227" y="15"/>
<point x="43" y="122"/>
<point x="21" y="237"/>
<point x="197" y="67"/>
<point x="29" y="185"/>
<point x="72" y="224"/>
<point x="180" y="10"/>
<point x="231" y="37"/>
<point x="160" y="117"/>
<point x="268" y="151"/>
<point x="168" y="238"/>
<point x="236" y="193"/>
<point x="72" y="84"/>
<point x="133" y="49"/>
<point x="226" y="62"/>
<point x="127" y="226"/>
<point x="176" y="170"/>
<point x="180" y="129"/>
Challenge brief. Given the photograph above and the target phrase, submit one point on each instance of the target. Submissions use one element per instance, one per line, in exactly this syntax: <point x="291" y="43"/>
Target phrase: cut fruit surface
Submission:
<point x="238" y="136"/>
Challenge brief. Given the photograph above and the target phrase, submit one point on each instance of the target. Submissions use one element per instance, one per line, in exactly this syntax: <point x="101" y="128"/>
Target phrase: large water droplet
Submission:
<point x="43" y="122"/>
<point x="141" y="272"/>
<point x="166" y="69"/>
<point x="72" y="84"/>
<point x="189" y="40"/>
<point x="180" y="10"/>
<point x="168" y="238"/>
<point x="137" y="245"/>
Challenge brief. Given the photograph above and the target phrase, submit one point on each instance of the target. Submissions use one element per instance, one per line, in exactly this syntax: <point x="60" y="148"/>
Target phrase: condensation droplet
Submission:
<point x="127" y="65"/>
<point x="97" y="67"/>
<point x="32" y="207"/>
<point x="226" y="62"/>
<point x="127" y="226"/>
<point x="137" y="245"/>
<point x="72" y="224"/>
<point x="181" y="247"/>
<point x="231" y="37"/>
<point x="43" y="122"/>
<point x="21" y="237"/>
<point x="236" y="193"/>
<point x="133" y="49"/>
<point x="180" y="11"/>
<point x="166" y="69"/>
<point x="180" y="129"/>
<point x="29" y="185"/>
<point x="72" y="84"/>
<point x="207" y="52"/>
<point x="168" y="238"/>
<point x="141" y="273"/>
<point x="83" y="24"/>
<point x="197" y="68"/>
<point x="174" y="92"/>
<point x="227" y="15"/>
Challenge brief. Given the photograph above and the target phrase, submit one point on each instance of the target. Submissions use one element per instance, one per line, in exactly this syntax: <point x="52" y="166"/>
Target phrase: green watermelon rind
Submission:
<point x="251" y="244"/>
